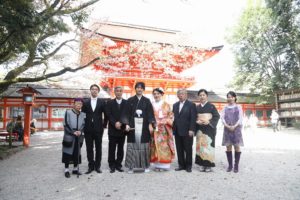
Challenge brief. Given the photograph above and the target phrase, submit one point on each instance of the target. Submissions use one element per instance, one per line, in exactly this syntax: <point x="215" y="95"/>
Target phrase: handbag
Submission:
<point x="67" y="140"/>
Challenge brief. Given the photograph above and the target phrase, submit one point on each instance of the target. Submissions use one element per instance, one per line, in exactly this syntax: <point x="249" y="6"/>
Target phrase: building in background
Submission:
<point x="288" y="106"/>
<point x="49" y="107"/>
<point x="130" y="53"/>
<point x="248" y="102"/>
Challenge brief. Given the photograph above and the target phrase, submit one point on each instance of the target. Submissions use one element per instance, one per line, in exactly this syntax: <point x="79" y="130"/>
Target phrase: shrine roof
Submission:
<point x="129" y="32"/>
<point x="212" y="97"/>
<point x="221" y="97"/>
<point x="288" y="91"/>
<point x="48" y="92"/>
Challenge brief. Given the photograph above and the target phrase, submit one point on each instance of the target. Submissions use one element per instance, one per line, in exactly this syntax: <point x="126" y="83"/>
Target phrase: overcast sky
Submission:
<point x="205" y="21"/>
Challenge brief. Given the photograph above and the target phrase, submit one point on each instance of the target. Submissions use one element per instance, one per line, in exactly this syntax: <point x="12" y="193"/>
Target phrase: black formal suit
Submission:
<point x="184" y="121"/>
<point x="93" y="131"/>
<point x="114" y="112"/>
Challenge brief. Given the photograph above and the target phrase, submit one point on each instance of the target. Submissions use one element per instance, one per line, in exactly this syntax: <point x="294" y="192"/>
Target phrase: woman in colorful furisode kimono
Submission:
<point x="232" y="118"/>
<point x="162" y="145"/>
<point x="73" y="137"/>
<point x="206" y="129"/>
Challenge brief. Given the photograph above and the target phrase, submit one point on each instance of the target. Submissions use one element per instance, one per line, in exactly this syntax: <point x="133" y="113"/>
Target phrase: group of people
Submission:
<point x="16" y="126"/>
<point x="150" y="128"/>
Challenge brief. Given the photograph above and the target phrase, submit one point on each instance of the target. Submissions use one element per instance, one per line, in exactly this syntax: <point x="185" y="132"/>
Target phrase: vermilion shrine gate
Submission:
<point x="155" y="60"/>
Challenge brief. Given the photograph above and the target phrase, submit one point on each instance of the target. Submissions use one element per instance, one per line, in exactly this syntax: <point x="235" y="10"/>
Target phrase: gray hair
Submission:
<point x="182" y="90"/>
<point x="118" y="87"/>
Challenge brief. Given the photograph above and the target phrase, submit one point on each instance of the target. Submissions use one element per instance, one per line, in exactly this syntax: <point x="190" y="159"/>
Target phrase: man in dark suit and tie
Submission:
<point x="93" y="129"/>
<point x="184" y="127"/>
<point x="116" y="130"/>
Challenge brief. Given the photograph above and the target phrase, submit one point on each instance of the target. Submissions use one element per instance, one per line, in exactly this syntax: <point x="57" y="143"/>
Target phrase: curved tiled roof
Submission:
<point x="48" y="92"/>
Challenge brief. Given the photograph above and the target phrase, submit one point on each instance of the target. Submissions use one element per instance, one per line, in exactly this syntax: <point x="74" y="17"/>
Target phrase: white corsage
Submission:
<point x="139" y="112"/>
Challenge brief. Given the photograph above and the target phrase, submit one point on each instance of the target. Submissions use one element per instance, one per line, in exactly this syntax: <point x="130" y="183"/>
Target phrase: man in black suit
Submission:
<point x="116" y="130"/>
<point x="93" y="129"/>
<point x="184" y="127"/>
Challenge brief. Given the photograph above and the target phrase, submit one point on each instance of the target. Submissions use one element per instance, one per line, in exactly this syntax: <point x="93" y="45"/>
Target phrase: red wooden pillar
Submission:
<point x="49" y="115"/>
<point x="27" y="117"/>
<point x="28" y="100"/>
<point x="243" y="108"/>
<point x="5" y="117"/>
<point x="265" y="113"/>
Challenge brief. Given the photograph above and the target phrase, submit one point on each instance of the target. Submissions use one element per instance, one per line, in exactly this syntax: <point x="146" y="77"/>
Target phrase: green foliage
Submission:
<point x="23" y="23"/>
<point x="266" y="44"/>
<point x="27" y="29"/>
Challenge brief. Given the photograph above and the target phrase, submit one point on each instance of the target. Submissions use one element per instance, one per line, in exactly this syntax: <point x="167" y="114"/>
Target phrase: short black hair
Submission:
<point x="140" y="84"/>
<point x="233" y="94"/>
<point x="95" y="85"/>
<point x="203" y="90"/>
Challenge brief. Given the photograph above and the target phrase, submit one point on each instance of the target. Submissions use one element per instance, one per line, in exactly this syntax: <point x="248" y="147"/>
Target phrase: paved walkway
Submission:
<point x="269" y="169"/>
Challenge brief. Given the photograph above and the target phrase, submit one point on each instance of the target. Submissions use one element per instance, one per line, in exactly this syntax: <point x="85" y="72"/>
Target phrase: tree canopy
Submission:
<point x="27" y="32"/>
<point x="266" y="45"/>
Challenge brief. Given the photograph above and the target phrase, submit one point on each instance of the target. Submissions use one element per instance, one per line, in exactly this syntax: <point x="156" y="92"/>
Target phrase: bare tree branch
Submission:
<point x="31" y="56"/>
<point x="5" y="83"/>
<point x="55" y="3"/>
<point x="57" y="49"/>
<point x="50" y="75"/>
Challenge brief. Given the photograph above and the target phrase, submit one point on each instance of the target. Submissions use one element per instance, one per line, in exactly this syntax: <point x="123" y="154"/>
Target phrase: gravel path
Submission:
<point x="269" y="169"/>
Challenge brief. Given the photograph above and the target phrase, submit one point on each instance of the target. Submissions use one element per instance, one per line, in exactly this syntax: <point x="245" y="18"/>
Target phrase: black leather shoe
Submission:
<point x="89" y="171"/>
<point x="179" y="168"/>
<point x="76" y="172"/>
<point x="119" y="169"/>
<point x="98" y="171"/>
<point x="67" y="174"/>
<point x="112" y="170"/>
<point x="188" y="170"/>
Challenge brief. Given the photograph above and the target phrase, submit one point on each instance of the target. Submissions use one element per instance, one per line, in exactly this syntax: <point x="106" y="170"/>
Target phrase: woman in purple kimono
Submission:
<point x="232" y="118"/>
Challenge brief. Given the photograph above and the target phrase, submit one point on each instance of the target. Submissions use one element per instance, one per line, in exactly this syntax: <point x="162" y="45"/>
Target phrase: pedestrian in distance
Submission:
<point x="274" y="120"/>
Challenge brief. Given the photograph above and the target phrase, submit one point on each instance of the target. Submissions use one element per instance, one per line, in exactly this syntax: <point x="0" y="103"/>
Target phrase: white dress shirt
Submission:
<point x="93" y="103"/>
<point x="119" y="101"/>
<point x="181" y="105"/>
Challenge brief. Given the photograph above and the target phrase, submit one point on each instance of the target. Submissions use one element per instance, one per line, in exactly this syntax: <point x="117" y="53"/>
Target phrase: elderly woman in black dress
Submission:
<point x="73" y="137"/>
